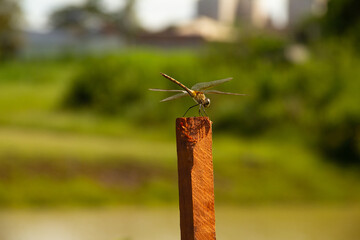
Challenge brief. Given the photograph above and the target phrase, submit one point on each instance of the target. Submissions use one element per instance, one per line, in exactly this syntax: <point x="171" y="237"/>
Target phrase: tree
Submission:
<point x="125" y="19"/>
<point x="341" y="21"/>
<point x="91" y="17"/>
<point x="10" y="39"/>
<point x="77" y="18"/>
<point x="342" y="17"/>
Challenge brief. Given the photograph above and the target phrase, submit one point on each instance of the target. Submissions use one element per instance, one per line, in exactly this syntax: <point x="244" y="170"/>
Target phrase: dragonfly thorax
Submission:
<point x="201" y="99"/>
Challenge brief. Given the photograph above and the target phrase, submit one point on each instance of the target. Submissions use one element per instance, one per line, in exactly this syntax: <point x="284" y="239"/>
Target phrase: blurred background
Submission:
<point x="87" y="152"/>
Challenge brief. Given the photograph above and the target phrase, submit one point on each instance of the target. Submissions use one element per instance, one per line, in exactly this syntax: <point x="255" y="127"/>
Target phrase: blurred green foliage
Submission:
<point x="316" y="101"/>
<point x="342" y="18"/>
<point x="10" y="20"/>
<point x="340" y="23"/>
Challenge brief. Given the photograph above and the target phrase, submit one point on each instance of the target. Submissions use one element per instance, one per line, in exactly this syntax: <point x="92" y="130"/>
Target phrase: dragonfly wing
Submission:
<point x="166" y="90"/>
<point x="226" y="93"/>
<point x="176" y="96"/>
<point x="205" y="85"/>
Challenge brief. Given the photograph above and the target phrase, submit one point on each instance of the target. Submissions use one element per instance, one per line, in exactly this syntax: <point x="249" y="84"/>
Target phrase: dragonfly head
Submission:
<point x="206" y="102"/>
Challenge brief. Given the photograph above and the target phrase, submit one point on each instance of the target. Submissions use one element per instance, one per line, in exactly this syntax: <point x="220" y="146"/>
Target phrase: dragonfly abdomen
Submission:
<point x="189" y="91"/>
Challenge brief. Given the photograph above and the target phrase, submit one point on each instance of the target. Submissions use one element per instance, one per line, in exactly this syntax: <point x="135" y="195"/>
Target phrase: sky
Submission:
<point x="152" y="14"/>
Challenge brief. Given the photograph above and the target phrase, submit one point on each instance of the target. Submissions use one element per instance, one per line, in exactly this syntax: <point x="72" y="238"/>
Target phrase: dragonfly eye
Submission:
<point x="207" y="102"/>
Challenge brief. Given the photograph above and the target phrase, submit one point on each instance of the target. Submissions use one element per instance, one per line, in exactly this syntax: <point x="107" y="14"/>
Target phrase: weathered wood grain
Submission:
<point x="196" y="179"/>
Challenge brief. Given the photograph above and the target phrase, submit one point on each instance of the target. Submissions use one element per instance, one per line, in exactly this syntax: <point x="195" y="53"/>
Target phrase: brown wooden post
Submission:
<point x="196" y="178"/>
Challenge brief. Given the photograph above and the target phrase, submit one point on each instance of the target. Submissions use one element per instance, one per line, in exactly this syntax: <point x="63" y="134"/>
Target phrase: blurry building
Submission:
<point x="258" y="16"/>
<point x="244" y="10"/>
<point x="299" y="9"/>
<point x="209" y="8"/>
<point x="227" y="11"/>
<point x="189" y="35"/>
<point x="208" y="29"/>
<point x="234" y="11"/>
<point x="252" y="12"/>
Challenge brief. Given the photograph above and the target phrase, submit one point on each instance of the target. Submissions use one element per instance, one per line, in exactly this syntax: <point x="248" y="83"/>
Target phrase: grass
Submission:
<point x="264" y="222"/>
<point x="32" y="143"/>
<point x="44" y="167"/>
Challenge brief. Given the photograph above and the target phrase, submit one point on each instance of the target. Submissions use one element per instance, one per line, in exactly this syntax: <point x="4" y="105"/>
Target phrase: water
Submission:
<point x="135" y="223"/>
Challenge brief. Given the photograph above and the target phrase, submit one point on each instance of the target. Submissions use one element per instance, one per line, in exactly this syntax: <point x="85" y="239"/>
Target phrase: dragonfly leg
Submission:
<point x="204" y="110"/>
<point x="189" y="109"/>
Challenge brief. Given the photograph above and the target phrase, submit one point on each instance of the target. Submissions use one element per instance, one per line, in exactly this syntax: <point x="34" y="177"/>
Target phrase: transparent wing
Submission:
<point x="225" y="93"/>
<point x="166" y="90"/>
<point x="205" y="85"/>
<point x="176" y="96"/>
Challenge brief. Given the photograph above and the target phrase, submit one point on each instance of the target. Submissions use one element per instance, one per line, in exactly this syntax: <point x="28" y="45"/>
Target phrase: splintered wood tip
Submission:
<point x="193" y="129"/>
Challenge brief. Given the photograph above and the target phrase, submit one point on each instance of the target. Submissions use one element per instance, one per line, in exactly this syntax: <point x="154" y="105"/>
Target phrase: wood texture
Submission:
<point x="196" y="179"/>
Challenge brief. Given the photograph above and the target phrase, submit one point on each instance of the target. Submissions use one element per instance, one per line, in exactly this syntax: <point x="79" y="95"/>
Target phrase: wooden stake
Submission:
<point x="196" y="179"/>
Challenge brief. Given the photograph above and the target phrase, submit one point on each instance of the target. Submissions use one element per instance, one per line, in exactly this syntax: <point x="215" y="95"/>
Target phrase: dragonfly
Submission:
<point x="196" y="92"/>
